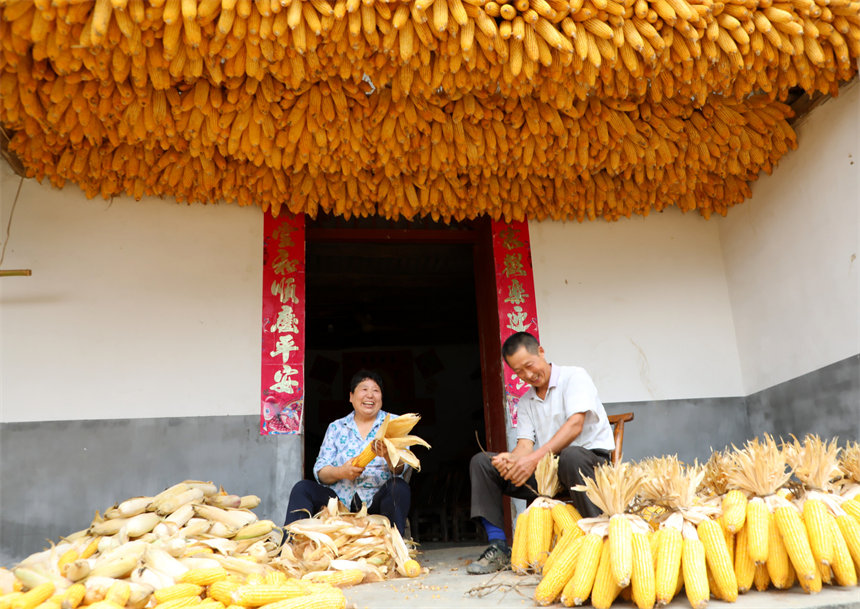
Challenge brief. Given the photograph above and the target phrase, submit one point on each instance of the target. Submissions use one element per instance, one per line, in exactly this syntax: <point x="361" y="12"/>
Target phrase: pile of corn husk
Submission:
<point x="336" y="540"/>
<point x="150" y="542"/>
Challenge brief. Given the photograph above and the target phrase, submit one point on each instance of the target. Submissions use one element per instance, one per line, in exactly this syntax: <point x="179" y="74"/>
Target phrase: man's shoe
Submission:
<point x="496" y="557"/>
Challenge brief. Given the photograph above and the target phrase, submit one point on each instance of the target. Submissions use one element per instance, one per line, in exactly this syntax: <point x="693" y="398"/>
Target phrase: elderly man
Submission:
<point x="561" y="413"/>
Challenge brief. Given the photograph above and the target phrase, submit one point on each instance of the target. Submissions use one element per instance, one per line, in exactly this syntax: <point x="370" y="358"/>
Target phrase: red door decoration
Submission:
<point x="283" y="347"/>
<point x="514" y="296"/>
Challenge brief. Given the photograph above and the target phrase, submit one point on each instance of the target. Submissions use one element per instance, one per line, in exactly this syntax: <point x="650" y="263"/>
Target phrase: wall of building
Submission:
<point x="641" y="304"/>
<point x="134" y="309"/>
<point x="791" y="252"/>
<point x="794" y="280"/>
<point x="129" y="360"/>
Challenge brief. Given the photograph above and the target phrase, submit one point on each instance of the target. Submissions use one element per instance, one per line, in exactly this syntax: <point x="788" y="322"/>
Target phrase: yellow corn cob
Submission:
<point x="347" y="577"/>
<point x="642" y="579"/>
<point x="34" y="596"/>
<point x="539" y="535"/>
<point x="332" y="598"/>
<point x="222" y="590"/>
<point x="73" y="596"/>
<point x="605" y="589"/>
<point x="561" y="515"/>
<point x="621" y="544"/>
<point x="91" y="548"/>
<point x="850" y="530"/>
<point x="761" y="578"/>
<point x="744" y="566"/>
<point x="365" y="456"/>
<point x="843" y="566"/>
<point x="811" y="585"/>
<point x="412" y="568"/>
<point x="561" y="546"/>
<point x="69" y="556"/>
<point x="118" y="593"/>
<point x="257" y="595"/>
<point x="734" y="510"/>
<point x="180" y="603"/>
<point x="852" y="507"/>
<point x="6" y="600"/>
<point x="695" y="572"/>
<point x="757" y="522"/>
<point x="718" y="559"/>
<point x="519" y="550"/>
<point x="669" y="550"/>
<point x="779" y="567"/>
<point x="588" y="558"/>
<point x="818" y="530"/>
<point x="793" y="535"/>
<point x="203" y="576"/>
<point x="558" y="569"/>
<point x="175" y="591"/>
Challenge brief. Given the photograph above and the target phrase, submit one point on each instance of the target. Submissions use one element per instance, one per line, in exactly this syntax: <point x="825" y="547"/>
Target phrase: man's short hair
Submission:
<point x="516" y="341"/>
<point x="362" y="375"/>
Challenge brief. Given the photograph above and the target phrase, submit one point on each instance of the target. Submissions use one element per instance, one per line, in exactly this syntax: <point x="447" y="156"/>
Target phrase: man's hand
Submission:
<point x="515" y="468"/>
<point x="521" y="469"/>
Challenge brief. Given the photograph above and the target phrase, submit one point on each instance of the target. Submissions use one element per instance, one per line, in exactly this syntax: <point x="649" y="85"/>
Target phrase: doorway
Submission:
<point x="401" y="298"/>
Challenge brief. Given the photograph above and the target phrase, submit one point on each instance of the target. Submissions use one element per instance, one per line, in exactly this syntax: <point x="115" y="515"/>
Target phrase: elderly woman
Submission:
<point x="378" y="485"/>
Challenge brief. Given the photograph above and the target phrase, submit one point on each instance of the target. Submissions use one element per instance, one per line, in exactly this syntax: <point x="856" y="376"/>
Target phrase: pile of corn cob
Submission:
<point x="189" y="545"/>
<point x="365" y="545"/>
<point x="448" y="108"/>
<point x="765" y="514"/>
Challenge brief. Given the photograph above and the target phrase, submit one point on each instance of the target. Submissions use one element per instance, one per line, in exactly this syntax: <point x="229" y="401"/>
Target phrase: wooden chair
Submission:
<point x="617" y="421"/>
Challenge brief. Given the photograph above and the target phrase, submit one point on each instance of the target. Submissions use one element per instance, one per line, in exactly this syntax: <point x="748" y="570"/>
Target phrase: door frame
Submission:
<point x="478" y="233"/>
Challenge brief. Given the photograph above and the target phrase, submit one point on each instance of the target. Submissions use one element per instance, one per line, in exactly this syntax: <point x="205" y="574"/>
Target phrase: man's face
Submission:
<point x="366" y="399"/>
<point x="532" y="368"/>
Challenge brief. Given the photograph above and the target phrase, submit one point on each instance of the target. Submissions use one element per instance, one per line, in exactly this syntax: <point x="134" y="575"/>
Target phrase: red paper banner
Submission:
<point x="514" y="296"/>
<point x="283" y="345"/>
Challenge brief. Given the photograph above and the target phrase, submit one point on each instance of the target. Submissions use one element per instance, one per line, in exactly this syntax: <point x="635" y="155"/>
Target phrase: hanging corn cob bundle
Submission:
<point x="190" y="545"/>
<point x="336" y="540"/>
<point x="830" y="530"/>
<point x="690" y="548"/>
<point x="394" y="434"/>
<point x="534" y="108"/>
<point x="602" y="561"/>
<point x="546" y="525"/>
<point x="773" y="538"/>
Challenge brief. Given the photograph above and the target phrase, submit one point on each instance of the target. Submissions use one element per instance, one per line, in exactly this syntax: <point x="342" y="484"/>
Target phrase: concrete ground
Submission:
<point x="446" y="584"/>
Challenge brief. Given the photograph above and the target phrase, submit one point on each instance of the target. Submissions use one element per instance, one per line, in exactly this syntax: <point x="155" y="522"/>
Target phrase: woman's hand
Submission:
<point x="348" y="471"/>
<point x="381" y="450"/>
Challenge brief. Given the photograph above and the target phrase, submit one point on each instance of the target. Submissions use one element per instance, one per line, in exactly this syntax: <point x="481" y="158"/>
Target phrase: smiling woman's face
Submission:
<point x="366" y="400"/>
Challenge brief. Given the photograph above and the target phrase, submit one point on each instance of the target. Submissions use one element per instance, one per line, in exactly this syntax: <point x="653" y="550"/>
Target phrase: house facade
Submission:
<point x="130" y="359"/>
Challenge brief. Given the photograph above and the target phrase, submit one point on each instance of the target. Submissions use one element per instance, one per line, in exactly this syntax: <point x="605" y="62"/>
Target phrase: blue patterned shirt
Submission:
<point x="341" y="443"/>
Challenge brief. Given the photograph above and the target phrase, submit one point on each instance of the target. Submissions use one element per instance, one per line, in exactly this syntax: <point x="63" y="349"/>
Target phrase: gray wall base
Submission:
<point x="825" y="401"/>
<point x="55" y="474"/>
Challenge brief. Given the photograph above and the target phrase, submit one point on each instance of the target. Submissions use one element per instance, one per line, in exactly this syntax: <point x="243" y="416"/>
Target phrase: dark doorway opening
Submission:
<point x="400" y="298"/>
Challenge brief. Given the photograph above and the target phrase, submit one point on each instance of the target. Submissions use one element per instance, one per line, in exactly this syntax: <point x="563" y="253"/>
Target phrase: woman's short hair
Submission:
<point x="362" y="375"/>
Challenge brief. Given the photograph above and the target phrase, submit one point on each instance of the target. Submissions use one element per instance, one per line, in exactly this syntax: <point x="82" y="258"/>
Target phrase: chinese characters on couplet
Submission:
<point x="283" y="344"/>
<point x="515" y="289"/>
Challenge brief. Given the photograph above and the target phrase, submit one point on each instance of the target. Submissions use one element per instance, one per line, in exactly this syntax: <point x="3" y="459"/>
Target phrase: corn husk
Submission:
<point x="338" y="539"/>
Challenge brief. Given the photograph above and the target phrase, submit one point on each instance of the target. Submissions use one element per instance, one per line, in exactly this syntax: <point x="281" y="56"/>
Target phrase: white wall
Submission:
<point x="642" y="304"/>
<point x="134" y="309"/>
<point x="791" y="252"/>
